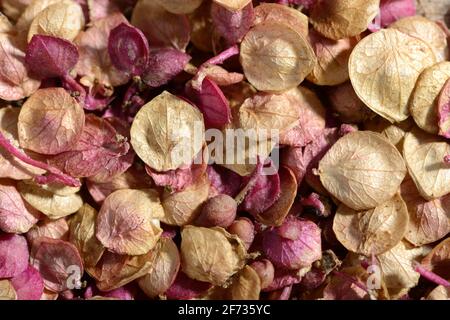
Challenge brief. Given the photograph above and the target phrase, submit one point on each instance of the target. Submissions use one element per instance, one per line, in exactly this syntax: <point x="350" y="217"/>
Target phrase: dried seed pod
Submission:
<point x="244" y="229"/>
<point x="161" y="27"/>
<point x="384" y="68"/>
<point x="246" y="286"/>
<point x="395" y="133"/>
<point x="275" y="57"/>
<point x="181" y="208"/>
<point x="15" y="83"/>
<point x="28" y="285"/>
<point x="164" y="270"/>
<point x="429" y="221"/>
<point x="428" y="31"/>
<point x="362" y="170"/>
<point x="372" y="231"/>
<point x="437" y="260"/>
<point x="439" y="293"/>
<point x="393" y="10"/>
<point x="13" y="255"/>
<point x="265" y="270"/>
<point x="62" y="19"/>
<point x="424" y="100"/>
<point x="186" y="288"/>
<point x="332" y="59"/>
<point x="233" y="5"/>
<point x="56" y="260"/>
<point x="7" y="291"/>
<point x="82" y="235"/>
<point x="211" y="254"/>
<point x="340" y="19"/>
<point x="433" y="10"/>
<point x="180" y="6"/>
<point x="202" y="27"/>
<point x="218" y="211"/>
<point x="50" y="121"/>
<point x="274" y="12"/>
<point x="52" y="205"/>
<point x="127" y="222"/>
<point x="167" y="132"/>
<point x="424" y="154"/>
<point x="14" y="8"/>
<point x="54" y="229"/>
<point x="444" y="110"/>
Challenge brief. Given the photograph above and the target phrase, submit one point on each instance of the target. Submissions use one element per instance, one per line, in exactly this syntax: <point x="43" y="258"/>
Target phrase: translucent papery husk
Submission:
<point x="180" y="6"/>
<point x="395" y="133"/>
<point x="393" y="10"/>
<point x="233" y="5"/>
<point x="444" y="111"/>
<point x="245" y="286"/>
<point x="439" y="293"/>
<point x="377" y="64"/>
<point x="346" y="287"/>
<point x="54" y="229"/>
<point x="28" y="285"/>
<point x="13" y="255"/>
<point x="223" y="181"/>
<point x="14" y="8"/>
<point x="438" y="260"/>
<point x="211" y="254"/>
<point x="7" y="291"/>
<point x="185" y="288"/>
<point x="99" y="9"/>
<point x="202" y="27"/>
<point x="433" y="10"/>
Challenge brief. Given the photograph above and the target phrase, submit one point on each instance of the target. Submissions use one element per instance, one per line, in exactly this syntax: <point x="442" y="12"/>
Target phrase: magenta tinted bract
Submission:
<point x="13" y="255"/>
<point x="28" y="285"/>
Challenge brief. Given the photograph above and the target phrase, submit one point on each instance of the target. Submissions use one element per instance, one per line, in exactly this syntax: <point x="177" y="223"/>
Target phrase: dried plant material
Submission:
<point x="275" y="57"/>
<point x="98" y="9"/>
<point x="332" y="59"/>
<point x="5" y="25"/>
<point x="395" y="133"/>
<point x="15" y="82"/>
<point x="347" y="105"/>
<point x="82" y="235"/>
<point x="439" y="293"/>
<point x="221" y="76"/>
<point x="434" y="10"/>
<point x="7" y="291"/>
<point x="343" y="18"/>
<point x="233" y="5"/>
<point x="52" y="205"/>
<point x="424" y="156"/>
<point x="393" y="10"/>
<point x="128" y="221"/>
<point x="246" y="285"/>
<point x="218" y="211"/>
<point x="186" y="288"/>
<point x="161" y="27"/>
<point x="52" y="258"/>
<point x="346" y="285"/>
<point x="438" y="260"/>
<point x="54" y="229"/>
<point x="443" y="106"/>
<point x="94" y="65"/>
<point x="16" y="216"/>
<point x="362" y="170"/>
<point x="397" y="266"/>
<point x="372" y="231"/>
<point x="180" y="6"/>
<point x="62" y="19"/>
<point x="13" y="255"/>
<point x="274" y="12"/>
<point x="265" y="270"/>
<point x="164" y="270"/>
<point x="211" y="254"/>
<point x="384" y="68"/>
<point x="181" y="208"/>
<point x="202" y="27"/>
<point x="50" y="122"/>
<point x="28" y="285"/>
<point x="163" y="132"/>
<point x="244" y="229"/>
<point x="424" y="100"/>
<point x="428" y="31"/>
<point x="13" y="8"/>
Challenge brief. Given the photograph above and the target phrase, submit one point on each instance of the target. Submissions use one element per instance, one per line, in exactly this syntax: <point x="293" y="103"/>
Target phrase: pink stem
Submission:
<point x="221" y="57"/>
<point x="356" y="282"/>
<point x="431" y="276"/>
<point x="55" y="174"/>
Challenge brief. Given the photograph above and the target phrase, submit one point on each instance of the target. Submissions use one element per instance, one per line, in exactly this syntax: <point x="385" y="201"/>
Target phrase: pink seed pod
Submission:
<point x="265" y="270"/>
<point x="185" y="288"/>
<point x="283" y="278"/>
<point x="224" y="180"/>
<point x="393" y="10"/>
<point x="244" y="229"/>
<point x="28" y="285"/>
<point x="218" y="211"/>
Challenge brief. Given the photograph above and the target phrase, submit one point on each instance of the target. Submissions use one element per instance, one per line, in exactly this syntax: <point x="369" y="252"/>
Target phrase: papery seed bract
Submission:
<point x="424" y="154"/>
<point x="28" y="285"/>
<point x="7" y="291"/>
<point x="372" y="231"/>
<point x="54" y="229"/>
<point x="13" y="8"/>
<point x="340" y="19"/>
<point x="362" y="169"/>
<point x="437" y="260"/>
<point x="99" y="9"/>
<point x="202" y="27"/>
<point x="167" y="132"/>
<point x="13" y="255"/>
<point x="265" y="270"/>
<point x="439" y="293"/>
<point x="233" y="5"/>
<point x="128" y="221"/>
<point x="384" y="67"/>
<point x="211" y="254"/>
<point x="424" y="99"/>
<point x="345" y="288"/>
<point x="283" y="278"/>
<point x="443" y="106"/>
<point x="393" y="10"/>
<point x="5" y="25"/>
<point x="221" y="76"/>
<point x="180" y="6"/>
<point x="186" y="288"/>
<point x="50" y="121"/>
<point x="433" y="10"/>
<point x="275" y="57"/>
<point x="246" y="286"/>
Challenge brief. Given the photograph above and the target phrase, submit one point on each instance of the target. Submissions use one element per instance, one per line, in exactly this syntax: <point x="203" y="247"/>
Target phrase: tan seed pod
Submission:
<point x="50" y="121"/>
<point x="202" y="27"/>
<point x="5" y="25"/>
<point x="164" y="270"/>
<point x="14" y="8"/>
<point x="340" y="19"/>
<point x="181" y="208"/>
<point x="167" y="132"/>
<point x="246" y="286"/>
<point x="52" y="205"/>
<point x="372" y="231"/>
<point x="7" y="291"/>
<point x="54" y="229"/>
<point x="434" y="10"/>
<point x="395" y="133"/>
<point x="429" y="220"/>
<point x="439" y="293"/>
<point x="233" y="5"/>
<point x="211" y="254"/>
<point x="128" y="221"/>
<point x="274" y="12"/>
<point x="180" y="6"/>
<point x="60" y="189"/>
<point x="423" y="105"/>
<point x="275" y="57"/>
<point x="384" y="68"/>
<point x="62" y="19"/>
<point x="428" y="31"/>
<point x="424" y="156"/>
<point x="362" y="170"/>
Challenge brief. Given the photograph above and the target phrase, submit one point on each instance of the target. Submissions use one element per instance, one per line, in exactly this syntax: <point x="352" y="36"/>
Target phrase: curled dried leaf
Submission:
<point x="340" y="19"/>
<point x="211" y="254"/>
<point x="233" y="5"/>
<point x="50" y="121"/>
<point x="424" y="100"/>
<point x="167" y="132"/>
<point x="7" y="291"/>
<point x="362" y="170"/>
<point x="54" y="229"/>
<point x="128" y="221"/>
<point x="384" y="68"/>
<point x="275" y="57"/>
<point x="424" y="154"/>
<point x="372" y="231"/>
